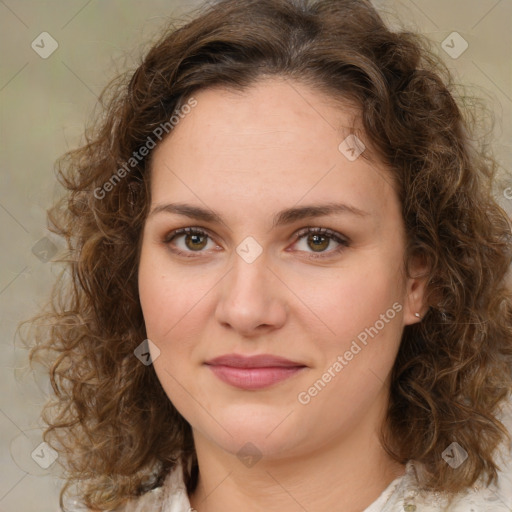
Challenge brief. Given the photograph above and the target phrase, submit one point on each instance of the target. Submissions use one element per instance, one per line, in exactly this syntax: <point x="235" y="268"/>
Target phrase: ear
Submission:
<point x="414" y="297"/>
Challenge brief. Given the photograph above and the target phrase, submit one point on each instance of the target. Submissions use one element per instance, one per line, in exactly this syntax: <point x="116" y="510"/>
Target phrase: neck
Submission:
<point x="342" y="474"/>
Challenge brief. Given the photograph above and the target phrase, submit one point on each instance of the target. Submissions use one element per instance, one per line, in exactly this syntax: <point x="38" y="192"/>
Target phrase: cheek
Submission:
<point x="365" y="299"/>
<point x="171" y="298"/>
<point x="171" y="308"/>
<point x="363" y="311"/>
<point x="348" y="300"/>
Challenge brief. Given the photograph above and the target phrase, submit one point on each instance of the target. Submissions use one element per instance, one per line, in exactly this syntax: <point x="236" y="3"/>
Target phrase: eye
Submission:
<point x="185" y="241"/>
<point x="190" y="240"/>
<point x="319" y="240"/>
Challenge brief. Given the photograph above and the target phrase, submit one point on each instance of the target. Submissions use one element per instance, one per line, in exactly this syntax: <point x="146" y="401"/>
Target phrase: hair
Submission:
<point x="117" y="432"/>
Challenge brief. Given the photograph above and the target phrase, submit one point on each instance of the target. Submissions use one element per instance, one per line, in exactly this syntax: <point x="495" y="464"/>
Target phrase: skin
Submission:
<point x="247" y="156"/>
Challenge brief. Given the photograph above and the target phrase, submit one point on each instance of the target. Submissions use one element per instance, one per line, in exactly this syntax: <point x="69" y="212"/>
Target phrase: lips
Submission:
<point x="259" y="361"/>
<point x="254" y="372"/>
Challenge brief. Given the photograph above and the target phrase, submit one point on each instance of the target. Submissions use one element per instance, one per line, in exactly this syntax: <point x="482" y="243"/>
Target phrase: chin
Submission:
<point x="251" y="430"/>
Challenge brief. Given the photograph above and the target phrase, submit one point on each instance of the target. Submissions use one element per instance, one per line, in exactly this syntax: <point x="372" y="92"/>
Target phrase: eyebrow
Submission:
<point x="284" y="217"/>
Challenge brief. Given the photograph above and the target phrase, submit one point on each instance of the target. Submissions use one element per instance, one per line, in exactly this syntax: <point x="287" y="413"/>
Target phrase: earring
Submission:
<point x="417" y="314"/>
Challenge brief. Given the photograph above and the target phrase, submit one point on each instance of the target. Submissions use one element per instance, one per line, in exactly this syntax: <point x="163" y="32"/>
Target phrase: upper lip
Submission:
<point x="258" y="361"/>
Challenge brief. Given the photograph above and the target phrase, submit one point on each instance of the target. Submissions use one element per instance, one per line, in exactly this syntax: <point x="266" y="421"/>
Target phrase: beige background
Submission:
<point x="44" y="106"/>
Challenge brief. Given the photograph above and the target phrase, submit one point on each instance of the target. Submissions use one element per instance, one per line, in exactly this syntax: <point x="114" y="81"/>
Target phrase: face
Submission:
<point x="266" y="268"/>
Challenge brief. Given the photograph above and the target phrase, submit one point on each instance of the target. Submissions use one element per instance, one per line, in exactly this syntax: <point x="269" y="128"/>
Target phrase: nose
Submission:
<point x="252" y="299"/>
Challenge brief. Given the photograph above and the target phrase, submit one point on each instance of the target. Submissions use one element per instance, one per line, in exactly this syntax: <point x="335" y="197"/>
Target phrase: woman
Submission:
<point x="287" y="278"/>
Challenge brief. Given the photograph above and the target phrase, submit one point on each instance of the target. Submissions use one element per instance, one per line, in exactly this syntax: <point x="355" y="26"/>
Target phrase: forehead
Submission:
<point x="276" y="143"/>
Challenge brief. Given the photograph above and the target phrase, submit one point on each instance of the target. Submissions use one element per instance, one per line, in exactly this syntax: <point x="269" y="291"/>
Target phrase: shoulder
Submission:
<point x="406" y="494"/>
<point x="151" y="500"/>
<point x="498" y="496"/>
<point x="171" y="494"/>
<point x="148" y="501"/>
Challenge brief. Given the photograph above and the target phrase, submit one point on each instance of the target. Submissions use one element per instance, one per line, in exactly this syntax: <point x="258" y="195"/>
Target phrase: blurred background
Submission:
<point x="57" y="56"/>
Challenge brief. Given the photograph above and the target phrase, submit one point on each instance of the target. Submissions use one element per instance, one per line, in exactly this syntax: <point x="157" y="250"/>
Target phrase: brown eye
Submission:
<point x="318" y="242"/>
<point x="196" y="242"/>
<point x="187" y="241"/>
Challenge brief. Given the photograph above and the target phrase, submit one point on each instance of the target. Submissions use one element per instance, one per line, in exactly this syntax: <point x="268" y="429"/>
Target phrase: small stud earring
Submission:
<point x="417" y="314"/>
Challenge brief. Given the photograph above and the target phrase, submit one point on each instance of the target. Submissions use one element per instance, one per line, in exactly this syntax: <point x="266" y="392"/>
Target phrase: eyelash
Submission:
<point x="332" y="235"/>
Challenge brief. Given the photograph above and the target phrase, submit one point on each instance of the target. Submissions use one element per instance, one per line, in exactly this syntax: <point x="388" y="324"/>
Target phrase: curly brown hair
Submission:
<point x="116" y="430"/>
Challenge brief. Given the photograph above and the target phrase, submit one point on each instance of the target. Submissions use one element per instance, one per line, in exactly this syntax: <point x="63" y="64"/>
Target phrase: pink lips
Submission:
<point x="255" y="372"/>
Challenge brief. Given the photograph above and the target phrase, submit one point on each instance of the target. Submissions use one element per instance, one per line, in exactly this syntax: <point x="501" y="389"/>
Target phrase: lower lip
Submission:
<point x="254" y="378"/>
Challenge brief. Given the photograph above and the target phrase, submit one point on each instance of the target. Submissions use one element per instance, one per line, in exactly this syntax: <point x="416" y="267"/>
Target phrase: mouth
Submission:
<point x="255" y="372"/>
